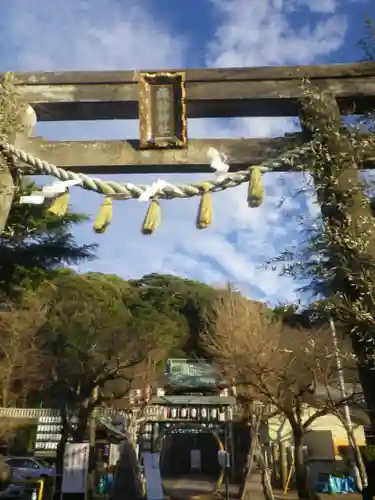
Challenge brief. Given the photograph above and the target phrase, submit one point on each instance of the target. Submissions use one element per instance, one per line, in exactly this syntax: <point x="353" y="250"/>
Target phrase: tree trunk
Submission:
<point x="283" y="464"/>
<point x="253" y="430"/>
<point x="81" y="432"/>
<point x="302" y="480"/>
<point x="326" y="116"/>
<point x="59" y="464"/>
<point x="365" y="351"/>
<point x="4" y="395"/>
<point x="91" y="479"/>
<point x="355" y="455"/>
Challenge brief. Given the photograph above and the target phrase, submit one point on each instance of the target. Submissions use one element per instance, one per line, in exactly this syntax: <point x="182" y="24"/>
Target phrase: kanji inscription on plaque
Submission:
<point x="162" y="114"/>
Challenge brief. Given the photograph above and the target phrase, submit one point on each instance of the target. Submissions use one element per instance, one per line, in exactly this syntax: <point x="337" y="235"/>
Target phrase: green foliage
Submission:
<point x="185" y="302"/>
<point x="367" y="42"/>
<point x="100" y="328"/>
<point x="35" y="243"/>
<point x="11" y="111"/>
<point x="369" y="453"/>
<point x="338" y="256"/>
<point x="87" y="338"/>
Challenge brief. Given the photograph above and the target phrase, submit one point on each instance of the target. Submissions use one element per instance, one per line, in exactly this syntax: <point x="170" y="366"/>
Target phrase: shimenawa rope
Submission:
<point x="293" y="158"/>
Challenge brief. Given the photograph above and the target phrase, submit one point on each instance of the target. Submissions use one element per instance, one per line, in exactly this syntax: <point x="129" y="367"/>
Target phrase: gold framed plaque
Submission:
<point x="162" y="110"/>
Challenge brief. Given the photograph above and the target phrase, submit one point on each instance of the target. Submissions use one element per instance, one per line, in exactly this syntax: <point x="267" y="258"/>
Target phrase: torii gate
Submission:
<point x="164" y="102"/>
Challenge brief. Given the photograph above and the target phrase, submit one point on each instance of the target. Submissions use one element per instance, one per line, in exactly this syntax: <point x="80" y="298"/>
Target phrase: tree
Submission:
<point x="186" y="303"/>
<point x="35" y="243"/>
<point x="367" y="42"/>
<point x="339" y="254"/>
<point x="20" y="353"/>
<point x="89" y="340"/>
<point x="278" y="366"/>
<point x="96" y="324"/>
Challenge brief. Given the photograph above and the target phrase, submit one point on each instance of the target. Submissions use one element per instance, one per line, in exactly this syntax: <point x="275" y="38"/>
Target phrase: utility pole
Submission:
<point x="346" y="408"/>
<point x="92" y="440"/>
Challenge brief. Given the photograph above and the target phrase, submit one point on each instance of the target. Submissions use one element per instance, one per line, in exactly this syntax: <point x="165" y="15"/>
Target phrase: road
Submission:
<point x="182" y="487"/>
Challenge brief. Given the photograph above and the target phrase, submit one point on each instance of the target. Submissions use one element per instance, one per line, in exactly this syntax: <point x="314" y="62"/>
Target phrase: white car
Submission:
<point x="29" y="468"/>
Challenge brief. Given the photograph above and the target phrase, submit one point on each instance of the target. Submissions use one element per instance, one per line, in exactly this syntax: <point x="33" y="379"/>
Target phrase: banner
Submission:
<point x="76" y="465"/>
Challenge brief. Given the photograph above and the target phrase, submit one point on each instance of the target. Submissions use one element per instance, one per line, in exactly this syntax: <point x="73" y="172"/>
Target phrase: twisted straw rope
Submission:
<point x="293" y="158"/>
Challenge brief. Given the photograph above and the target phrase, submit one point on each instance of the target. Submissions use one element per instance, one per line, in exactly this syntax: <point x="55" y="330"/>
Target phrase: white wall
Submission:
<point x="279" y="429"/>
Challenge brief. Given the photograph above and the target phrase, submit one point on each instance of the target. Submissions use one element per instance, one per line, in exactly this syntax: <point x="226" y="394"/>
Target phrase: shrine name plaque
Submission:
<point x="162" y="112"/>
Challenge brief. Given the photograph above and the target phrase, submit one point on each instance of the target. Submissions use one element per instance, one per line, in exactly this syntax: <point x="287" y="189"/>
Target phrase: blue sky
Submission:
<point x="45" y="35"/>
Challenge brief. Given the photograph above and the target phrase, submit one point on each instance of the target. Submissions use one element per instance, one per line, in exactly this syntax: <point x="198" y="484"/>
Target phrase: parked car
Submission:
<point x="13" y="491"/>
<point x="29" y="468"/>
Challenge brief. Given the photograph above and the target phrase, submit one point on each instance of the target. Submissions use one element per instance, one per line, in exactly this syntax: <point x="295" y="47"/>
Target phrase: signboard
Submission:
<point x="49" y="433"/>
<point x="152" y="475"/>
<point x="189" y="373"/>
<point x="76" y="465"/>
<point x="162" y="116"/>
<point x="114" y="454"/>
<point x="195" y="460"/>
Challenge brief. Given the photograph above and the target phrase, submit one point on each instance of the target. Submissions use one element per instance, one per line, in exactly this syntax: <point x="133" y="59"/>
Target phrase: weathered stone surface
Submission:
<point x="6" y="196"/>
<point x="105" y="157"/>
<point x="229" y="92"/>
<point x="115" y="156"/>
<point x="204" y="74"/>
<point x="7" y="188"/>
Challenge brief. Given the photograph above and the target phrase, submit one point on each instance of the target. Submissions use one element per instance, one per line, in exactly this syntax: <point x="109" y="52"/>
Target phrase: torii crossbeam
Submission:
<point x="201" y="93"/>
<point x="210" y="93"/>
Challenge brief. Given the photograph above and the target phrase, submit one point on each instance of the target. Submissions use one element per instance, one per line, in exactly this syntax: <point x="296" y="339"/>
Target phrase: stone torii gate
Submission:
<point x="168" y="100"/>
<point x="164" y="102"/>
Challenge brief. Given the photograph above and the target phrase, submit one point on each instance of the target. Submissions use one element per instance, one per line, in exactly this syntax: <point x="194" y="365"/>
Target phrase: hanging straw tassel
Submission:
<point x="204" y="217"/>
<point x="255" y="196"/>
<point x="104" y="217"/>
<point x="60" y="205"/>
<point x="152" y="219"/>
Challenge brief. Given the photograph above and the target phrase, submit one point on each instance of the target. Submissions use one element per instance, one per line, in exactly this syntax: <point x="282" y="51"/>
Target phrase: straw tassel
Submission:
<point x="255" y="196"/>
<point x="204" y="217"/>
<point x="104" y="217"/>
<point x="152" y="219"/>
<point x="60" y="205"/>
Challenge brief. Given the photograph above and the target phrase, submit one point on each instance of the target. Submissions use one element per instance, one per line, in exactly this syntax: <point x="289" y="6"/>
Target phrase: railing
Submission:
<point x="33" y="413"/>
<point x="37" y="413"/>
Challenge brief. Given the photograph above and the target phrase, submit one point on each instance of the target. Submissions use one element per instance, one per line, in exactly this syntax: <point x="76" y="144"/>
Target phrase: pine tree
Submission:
<point x="35" y="243"/>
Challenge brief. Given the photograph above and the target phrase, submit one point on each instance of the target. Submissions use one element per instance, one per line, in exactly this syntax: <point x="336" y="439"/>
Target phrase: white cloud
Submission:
<point x="107" y="34"/>
<point x="259" y="33"/>
<point x="89" y="34"/>
<point x="316" y="6"/>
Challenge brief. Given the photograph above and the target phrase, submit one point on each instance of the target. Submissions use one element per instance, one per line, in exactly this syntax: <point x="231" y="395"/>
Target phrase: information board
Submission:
<point x="76" y="464"/>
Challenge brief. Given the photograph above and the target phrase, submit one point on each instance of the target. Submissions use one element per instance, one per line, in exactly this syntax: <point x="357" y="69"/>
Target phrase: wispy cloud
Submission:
<point x="87" y="34"/>
<point x="109" y="34"/>
<point x="260" y="33"/>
